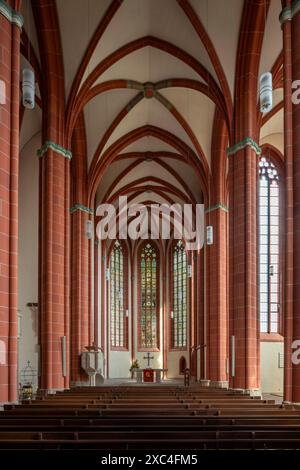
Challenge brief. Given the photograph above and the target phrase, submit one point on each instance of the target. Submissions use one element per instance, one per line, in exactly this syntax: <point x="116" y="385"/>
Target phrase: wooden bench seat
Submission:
<point x="142" y="417"/>
<point x="176" y="440"/>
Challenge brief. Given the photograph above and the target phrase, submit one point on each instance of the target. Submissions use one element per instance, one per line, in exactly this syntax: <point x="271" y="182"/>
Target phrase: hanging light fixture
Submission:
<point x="266" y="92"/>
<point x="28" y="88"/>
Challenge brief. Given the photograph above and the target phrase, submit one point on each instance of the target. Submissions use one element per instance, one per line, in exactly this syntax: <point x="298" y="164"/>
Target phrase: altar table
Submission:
<point x="140" y="375"/>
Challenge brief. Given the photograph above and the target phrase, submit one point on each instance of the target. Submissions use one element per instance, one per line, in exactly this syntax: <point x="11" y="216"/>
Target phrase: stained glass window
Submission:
<point x="268" y="246"/>
<point x="179" y="297"/>
<point x="149" y="298"/>
<point x="118" y="274"/>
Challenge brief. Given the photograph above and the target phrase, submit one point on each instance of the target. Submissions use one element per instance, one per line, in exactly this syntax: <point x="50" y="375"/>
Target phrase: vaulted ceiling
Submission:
<point x="150" y="85"/>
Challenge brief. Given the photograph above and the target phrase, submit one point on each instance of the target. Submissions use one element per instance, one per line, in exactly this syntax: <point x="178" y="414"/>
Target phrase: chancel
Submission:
<point x="149" y="374"/>
<point x="120" y="122"/>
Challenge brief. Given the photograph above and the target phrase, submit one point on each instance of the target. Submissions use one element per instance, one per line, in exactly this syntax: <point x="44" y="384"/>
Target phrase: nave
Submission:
<point x="143" y="417"/>
<point x="142" y="108"/>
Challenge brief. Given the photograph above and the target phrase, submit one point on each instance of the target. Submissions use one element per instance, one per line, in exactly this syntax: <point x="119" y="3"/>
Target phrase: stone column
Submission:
<point x="54" y="267"/>
<point x="285" y="19"/>
<point x="244" y="325"/>
<point x="54" y="262"/>
<point x="10" y="26"/>
<point x="216" y="263"/>
<point x="243" y="179"/>
<point x="192" y="282"/>
<point x="296" y="190"/>
<point x="80" y="318"/>
<point x="79" y="290"/>
<point x="290" y="19"/>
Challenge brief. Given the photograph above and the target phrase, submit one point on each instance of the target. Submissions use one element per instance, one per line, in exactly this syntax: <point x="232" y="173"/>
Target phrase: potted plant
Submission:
<point x="134" y="365"/>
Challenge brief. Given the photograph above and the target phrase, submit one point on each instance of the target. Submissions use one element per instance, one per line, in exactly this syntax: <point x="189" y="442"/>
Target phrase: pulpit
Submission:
<point x="91" y="363"/>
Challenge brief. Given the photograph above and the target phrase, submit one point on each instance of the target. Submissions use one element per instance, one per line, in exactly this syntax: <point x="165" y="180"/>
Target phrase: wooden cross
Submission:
<point x="148" y="357"/>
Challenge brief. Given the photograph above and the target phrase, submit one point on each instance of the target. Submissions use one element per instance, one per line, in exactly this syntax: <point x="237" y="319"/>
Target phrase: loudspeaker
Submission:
<point x="89" y="229"/>
<point x="209" y="235"/>
<point x="28" y="88"/>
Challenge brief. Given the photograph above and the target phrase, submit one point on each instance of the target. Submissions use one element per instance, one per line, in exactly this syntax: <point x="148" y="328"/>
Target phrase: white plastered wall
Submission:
<point x="28" y="254"/>
<point x="271" y="373"/>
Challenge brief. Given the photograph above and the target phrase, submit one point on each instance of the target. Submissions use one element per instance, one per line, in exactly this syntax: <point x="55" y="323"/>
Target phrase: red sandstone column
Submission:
<point x="80" y="255"/>
<point x="79" y="291"/>
<point x="295" y="42"/>
<point x="243" y="171"/>
<point x="193" y="316"/>
<point x="201" y="342"/>
<point x="10" y="25"/>
<point x="243" y="179"/>
<point x="54" y="268"/>
<point x="192" y="300"/>
<point x="216" y="263"/>
<point x="288" y="159"/>
<point x="54" y="263"/>
<point x="216" y="259"/>
<point x="94" y="319"/>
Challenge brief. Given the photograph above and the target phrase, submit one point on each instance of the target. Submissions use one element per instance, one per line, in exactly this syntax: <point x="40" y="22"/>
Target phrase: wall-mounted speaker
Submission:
<point x="28" y="88"/>
<point x="89" y="229"/>
<point x="209" y="235"/>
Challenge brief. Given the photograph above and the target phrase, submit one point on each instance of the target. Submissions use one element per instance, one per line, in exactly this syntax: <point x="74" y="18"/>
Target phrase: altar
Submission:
<point x="149" y="375"/>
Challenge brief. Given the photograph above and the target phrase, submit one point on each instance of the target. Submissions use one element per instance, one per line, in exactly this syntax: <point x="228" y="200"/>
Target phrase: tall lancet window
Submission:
<point x="148" y="266"/>
<point x="269" y="246"/>
<point x="118" y="297"/>
<point x="179" y="297"/>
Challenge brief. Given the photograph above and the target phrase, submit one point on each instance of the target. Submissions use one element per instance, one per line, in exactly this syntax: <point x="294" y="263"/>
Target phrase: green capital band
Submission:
<point x="289" y="12"/>
<point x="247" y="142"/>
<point x="216" y="207"/>
<point x="11" y="15"/>
<point x="49" y="144"/>
<point x="81" y="207"/>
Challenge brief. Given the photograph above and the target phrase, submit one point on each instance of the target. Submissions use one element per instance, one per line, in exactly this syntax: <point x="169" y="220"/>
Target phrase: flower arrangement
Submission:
<point x="135" y="365"/>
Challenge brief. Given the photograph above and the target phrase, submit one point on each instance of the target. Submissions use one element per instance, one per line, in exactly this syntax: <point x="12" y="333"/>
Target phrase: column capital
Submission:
<point x="216" y="207"/>
<point x="288" y="13"/>
<point x="81" y="207"/>
<point x="247" y="142"/>
<point x="13" y="16"/>
<point x="49" y="144"/>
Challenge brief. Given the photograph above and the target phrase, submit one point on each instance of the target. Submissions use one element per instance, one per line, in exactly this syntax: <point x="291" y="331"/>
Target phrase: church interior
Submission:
<point x="152" y="102"/>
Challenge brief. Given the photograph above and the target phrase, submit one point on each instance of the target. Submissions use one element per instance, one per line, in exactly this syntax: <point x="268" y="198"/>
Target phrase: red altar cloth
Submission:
<point x="148" y="375"/>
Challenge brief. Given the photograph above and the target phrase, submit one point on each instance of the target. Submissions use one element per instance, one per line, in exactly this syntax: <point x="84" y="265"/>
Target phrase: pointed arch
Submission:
<point x="97" y="168"/>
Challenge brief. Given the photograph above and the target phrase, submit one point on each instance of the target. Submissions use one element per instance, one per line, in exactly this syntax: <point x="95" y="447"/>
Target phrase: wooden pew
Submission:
<point x="149" y="417"/>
